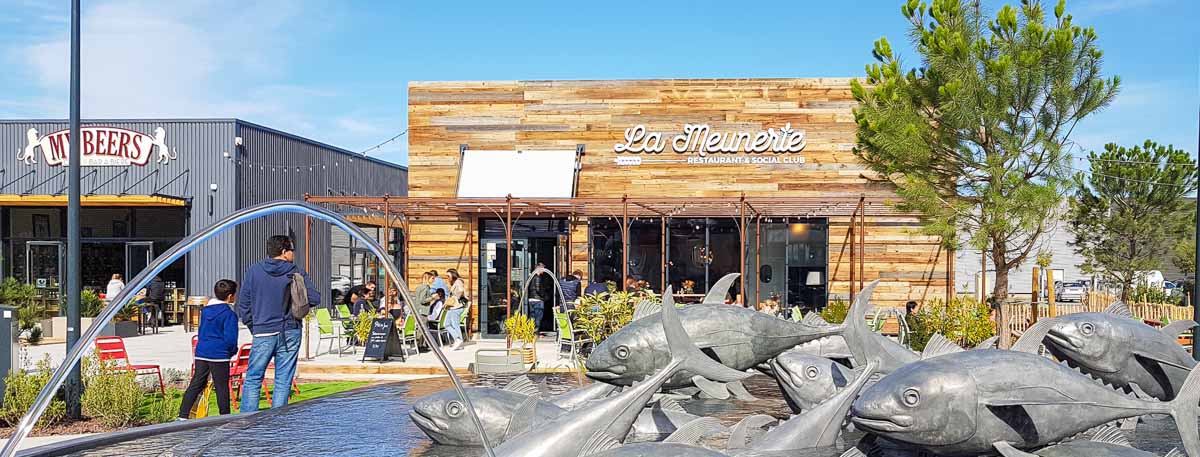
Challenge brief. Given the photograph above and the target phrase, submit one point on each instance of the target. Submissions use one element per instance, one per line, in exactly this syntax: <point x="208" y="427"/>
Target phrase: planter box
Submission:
<point x="125" y="329"/>
<point x="56" y="327"/>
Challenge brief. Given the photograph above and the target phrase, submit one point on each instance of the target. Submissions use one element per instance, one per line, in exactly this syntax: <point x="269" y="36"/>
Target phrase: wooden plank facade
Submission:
<point x="528" y="115"/>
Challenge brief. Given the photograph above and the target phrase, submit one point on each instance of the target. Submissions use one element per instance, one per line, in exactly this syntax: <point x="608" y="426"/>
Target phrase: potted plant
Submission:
<point x="124" y="324"/>
<point x="522" y="331"/>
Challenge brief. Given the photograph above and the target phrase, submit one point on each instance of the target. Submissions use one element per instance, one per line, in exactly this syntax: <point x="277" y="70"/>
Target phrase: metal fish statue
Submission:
<point x="1109" y="442"/>
<point x="736" y="337"/>
<point x="833" y="347"/>
<point x="889" y="354"/>
<point x="658" y="450"/>
<point x="807" y="380"/>
<point x="1121" y="351"/>
<point x="602" y="424"/>
<point x="960" y="404"/>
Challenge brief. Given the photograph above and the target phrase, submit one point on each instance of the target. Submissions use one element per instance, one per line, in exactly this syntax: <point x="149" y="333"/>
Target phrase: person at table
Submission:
<point x="597" y="287"/>
<point x="423" y="296"/>
<point x="156" y="295"/>
<point x="216" y="343"/>
<point x="571" y="288"/>
<point x="541" y="291"/>
<point x="361" y="289"/>
<point x="439" y="283"/>
<point x="362" y="302"/>
<point x="438" y="307"/>
<point x="115" y="286"/>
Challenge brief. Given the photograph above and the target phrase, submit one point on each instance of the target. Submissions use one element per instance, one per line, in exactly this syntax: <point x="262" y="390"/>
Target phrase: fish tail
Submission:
<point x="1185" y="408"/>
<point x="685" y="356"/>
<point x="853" y="329"/>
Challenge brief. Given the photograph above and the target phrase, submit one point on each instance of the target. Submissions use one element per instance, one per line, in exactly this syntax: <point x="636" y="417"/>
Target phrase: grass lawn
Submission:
<point x="155" y="410"/>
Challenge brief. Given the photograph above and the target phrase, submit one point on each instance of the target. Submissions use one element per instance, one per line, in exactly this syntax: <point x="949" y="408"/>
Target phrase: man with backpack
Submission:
<point x="272" y="302"/>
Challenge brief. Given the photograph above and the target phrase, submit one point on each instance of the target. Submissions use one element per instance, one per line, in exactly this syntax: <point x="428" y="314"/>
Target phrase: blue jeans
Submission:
<point x="536" y="309"/>
<point x="284" y="348"/>
<point x="453" y="316"/>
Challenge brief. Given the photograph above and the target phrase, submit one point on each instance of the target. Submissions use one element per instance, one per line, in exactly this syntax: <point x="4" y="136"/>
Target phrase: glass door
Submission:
<point x="496" y="261"/>
<point x="44" y="269"/>
<point x="138" y="254"/>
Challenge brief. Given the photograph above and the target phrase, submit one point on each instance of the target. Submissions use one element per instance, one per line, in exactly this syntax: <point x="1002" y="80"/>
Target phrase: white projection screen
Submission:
<point x="522" y="174"/>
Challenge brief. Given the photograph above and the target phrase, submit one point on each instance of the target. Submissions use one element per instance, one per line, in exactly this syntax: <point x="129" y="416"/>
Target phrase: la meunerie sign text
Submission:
<point x="700" y="140"/>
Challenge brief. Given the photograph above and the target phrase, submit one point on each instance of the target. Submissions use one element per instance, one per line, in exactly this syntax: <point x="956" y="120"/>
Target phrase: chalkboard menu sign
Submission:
<point x="382" y="342"/>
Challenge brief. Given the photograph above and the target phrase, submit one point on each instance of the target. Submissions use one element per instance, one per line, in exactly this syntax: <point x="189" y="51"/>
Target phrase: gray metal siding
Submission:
<point x="199" y="146"/>
<point x="273" y="166"/>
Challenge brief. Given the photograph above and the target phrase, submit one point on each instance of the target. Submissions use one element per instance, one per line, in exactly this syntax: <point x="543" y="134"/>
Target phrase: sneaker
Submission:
<point x="181" y="419"/>
<point x="459" y="345"/>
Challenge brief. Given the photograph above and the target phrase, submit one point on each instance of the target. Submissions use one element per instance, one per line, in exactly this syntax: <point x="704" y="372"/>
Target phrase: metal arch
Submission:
<point x="87" y="338"/>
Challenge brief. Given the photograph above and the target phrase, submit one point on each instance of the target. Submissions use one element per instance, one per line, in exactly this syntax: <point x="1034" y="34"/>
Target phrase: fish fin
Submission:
<point x="988" y="343"/>
<point x="1128" y="423"/>
<point x="1119" y="309"/>
<point x="522" y="418"/>
<point x="716" y="295"/>
<point x="1159" y="360"/>
<point x="855" y="328"/>
<point x="645" y="308"/>
<point x="1112" y="435"/>
<point x="1174" y="452"/>
<point x="840" y="404"/>
<point x="712" y="389"/>
<point x="597" y="443"/>
<point x="1184" y="408"/>
<point x="814" y="319"/>
<point x="741" y="434"/>
<point x="939" y="345"/>
<point x="739" y="391"/>
<point x="1174" y="329"/>
<point x="1007" y="450"/>
<point x="670" y="404"/>
<point x="1138" y="392"/>
<point x="691" y="432"/>
<point x="1031" y="340"/>
<point x="524" y="386"/>
<point x="687" y="355"/>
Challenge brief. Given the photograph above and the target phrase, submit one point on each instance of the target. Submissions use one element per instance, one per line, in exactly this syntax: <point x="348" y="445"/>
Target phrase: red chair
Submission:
<point x="237" y="375"/>
<point x="195" y="341"/>
<point x="113" y="348"/>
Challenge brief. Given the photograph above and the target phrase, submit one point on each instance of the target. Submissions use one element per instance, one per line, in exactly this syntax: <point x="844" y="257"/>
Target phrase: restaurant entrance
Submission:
<point x="534" y="241"/>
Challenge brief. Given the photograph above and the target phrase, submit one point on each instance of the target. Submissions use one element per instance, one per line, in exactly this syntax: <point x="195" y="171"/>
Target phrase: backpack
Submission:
<point x="298" y="305"/>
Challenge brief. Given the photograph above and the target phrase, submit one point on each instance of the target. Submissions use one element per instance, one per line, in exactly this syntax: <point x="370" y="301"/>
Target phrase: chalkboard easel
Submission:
<point x="382" y="342"/>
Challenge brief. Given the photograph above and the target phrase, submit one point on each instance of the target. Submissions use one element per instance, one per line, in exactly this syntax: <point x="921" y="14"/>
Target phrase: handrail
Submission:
<point x="87" y="339"/>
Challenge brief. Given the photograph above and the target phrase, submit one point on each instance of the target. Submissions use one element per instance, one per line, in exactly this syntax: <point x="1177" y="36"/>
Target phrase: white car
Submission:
<point x="1070" y="291"/>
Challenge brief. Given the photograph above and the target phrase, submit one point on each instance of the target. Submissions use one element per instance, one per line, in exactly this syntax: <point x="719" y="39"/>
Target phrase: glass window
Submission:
<point x="606" y="250"/>
<point x="38" y="223"/>
<point x="645" y="251"/>
<point x="105" y="222"/>
<point x="688" y="255"/>
<point x="159" y="222"/>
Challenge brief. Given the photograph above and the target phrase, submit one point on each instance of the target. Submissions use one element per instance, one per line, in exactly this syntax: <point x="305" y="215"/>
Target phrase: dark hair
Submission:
<point x="372" y="283"/>
<point x="577" y="273"/>
<point x="440" y="292"/>
<point x="426" y="274"/>
<point x="224" y="289"/>
<point x="453" y="275"/>
<point x="276" y="245"/>
<point x="433" y="272"/>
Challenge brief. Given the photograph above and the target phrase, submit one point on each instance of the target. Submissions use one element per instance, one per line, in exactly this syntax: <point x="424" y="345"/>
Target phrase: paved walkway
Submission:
<point x="171" y="349"/>
<point x="34" y="441"/>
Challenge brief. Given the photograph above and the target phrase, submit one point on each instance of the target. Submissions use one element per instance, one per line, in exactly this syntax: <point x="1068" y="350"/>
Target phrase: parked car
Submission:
<point x="340" y="286"/>
<point x="1070" y="291"/>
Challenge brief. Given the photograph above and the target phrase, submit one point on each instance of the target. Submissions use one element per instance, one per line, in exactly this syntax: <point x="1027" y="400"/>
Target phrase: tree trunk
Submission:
<point x="999" y="297"/>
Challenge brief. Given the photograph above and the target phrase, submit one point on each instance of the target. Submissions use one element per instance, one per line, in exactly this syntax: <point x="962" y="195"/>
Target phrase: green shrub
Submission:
<point x="1146" y="294"/>
<point x="22" y="388"/>
<point x="162" y="409"/>
<point x="965" y="321"/>
<point x="835" y="312"/>
<point x="21" y="295"/>
<point x="110" y="395"/>
<point x="362" y="325"/>
<point x="90" y="304"/>
<point x="521" y="328"/>
<point x="601" y="315"/>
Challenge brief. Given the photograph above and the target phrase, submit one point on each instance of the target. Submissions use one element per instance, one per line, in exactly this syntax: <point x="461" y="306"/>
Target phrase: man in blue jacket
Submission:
<point x="263" y="307"/>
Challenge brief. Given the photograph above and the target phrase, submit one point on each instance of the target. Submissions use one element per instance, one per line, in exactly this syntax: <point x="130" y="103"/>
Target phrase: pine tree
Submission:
<point x="975" y="139"/>
<point x="1130" y="212"/>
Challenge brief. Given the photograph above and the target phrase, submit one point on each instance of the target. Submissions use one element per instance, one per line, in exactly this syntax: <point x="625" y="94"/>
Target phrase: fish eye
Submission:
<point x="812" y="372"/>
<point x="454" y="409"/>
<point x="622" y="352"/>
<point x="912" y="397"/>
<point x="1087" y="328"/>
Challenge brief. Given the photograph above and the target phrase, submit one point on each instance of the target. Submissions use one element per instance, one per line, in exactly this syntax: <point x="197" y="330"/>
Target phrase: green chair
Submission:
<point x="344" y="311"/>
<point x="568" y="336"/>
<point x="408" y="335"/>
<point x="327" y="331"/>
<point x="439" y="327"/>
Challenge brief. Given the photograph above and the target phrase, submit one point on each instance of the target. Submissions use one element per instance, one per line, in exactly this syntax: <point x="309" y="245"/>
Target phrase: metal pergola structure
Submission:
<point x="745" y="210"/>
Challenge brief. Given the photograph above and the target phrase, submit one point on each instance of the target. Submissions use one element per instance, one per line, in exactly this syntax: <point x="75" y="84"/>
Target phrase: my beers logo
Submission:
<point x="101" y="147"/>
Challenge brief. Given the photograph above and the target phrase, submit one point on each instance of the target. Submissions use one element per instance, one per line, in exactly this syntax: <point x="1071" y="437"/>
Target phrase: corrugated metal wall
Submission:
<point x="273" y="165"/>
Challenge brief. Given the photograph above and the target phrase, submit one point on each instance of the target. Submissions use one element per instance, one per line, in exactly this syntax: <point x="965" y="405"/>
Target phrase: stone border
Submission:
<point x="121" y="436"/>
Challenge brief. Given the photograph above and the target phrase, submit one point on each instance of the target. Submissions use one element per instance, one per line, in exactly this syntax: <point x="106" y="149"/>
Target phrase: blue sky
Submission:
<point x="337" y="71"/>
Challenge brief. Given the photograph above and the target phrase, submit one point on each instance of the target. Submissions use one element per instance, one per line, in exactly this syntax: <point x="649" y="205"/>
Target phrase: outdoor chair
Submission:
<point x="408" y="335"/>
<point x="113" y="348"/>
<point x="328" y="331"/>
<point x="439" y="328"/>
<point x="195" y="341"/>
<point x="344" y="312"/>
<point x="568" y="336"/>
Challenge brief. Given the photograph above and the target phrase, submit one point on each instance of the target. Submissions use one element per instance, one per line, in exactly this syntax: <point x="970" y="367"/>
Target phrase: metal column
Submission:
<point x="742" y="249"/>
<point x="74" y="260"/>
<point x="625" y="240"/>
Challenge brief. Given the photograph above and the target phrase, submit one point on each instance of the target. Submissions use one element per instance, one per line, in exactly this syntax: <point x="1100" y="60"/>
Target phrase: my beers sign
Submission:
<point x="701" y="140"/>
<point x="101" y="147"/>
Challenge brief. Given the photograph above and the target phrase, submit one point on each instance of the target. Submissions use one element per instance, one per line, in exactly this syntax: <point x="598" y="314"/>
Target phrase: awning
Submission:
<point x="521" y="174"/>
<point x="91" y="200"/>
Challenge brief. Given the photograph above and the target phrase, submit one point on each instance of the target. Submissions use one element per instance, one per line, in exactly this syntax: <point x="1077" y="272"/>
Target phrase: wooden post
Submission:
<point x="508" y="261"/>
<point x="852" y="251"/>
<point x="624" y="240"/>
<point x="662" y="262"/>
<point x="387" y="227"/>
<point x="1053" y="310"/>
<point x="758" y="259"/>
<point x="1034" y="296"/>
<point x="742" y="250"/>
<point x="473" y="311"/>
<point x="862" y="241"/>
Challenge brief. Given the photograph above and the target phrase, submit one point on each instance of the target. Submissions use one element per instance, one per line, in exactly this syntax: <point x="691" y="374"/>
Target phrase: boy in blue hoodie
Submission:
<point x="216" y="343"/>
<point x="263" y="306"/>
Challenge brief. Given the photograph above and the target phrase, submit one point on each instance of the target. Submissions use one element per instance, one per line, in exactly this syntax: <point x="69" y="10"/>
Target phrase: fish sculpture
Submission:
<point x="737" y="337"/>
<point x="889" y="354"/>
<point x="821" y="426"/>
<point x="679" y="444"/>
<point x="807" y="380"/>
<point x="440" y="415"/>
<point x="960" y="404"/>
<point x="1121" y="351"/>
<point x="603" y="424"/>
<point x="833" y="347"/>
<point x="1109" y="442"/>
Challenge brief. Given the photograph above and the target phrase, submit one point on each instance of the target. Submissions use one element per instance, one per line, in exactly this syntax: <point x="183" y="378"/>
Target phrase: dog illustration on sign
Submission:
<point x="165" y="154"/>
<point x="27" y="155"/>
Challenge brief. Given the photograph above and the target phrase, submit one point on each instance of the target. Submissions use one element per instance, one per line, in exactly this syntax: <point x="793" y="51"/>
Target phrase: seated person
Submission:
<point x="361" y="302"/>
<point x="439" y="305"/>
